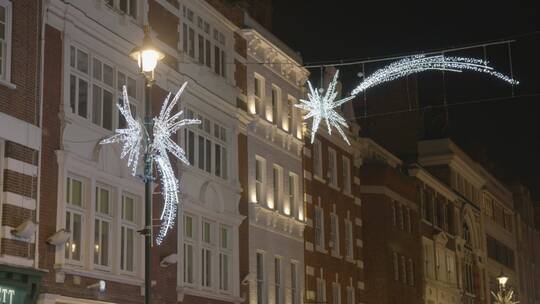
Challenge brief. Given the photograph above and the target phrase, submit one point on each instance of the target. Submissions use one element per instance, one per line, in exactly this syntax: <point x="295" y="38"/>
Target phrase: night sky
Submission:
<point x="503" y="134"/>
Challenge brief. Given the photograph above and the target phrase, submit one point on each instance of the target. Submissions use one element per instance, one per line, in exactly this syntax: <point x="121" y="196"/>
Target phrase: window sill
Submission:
<point x="337" y="255"/>
<point x="348" y="194"/>
<point x="99" y="274"/>
<point x="318" y="178"/>
<point x="319" y="249"/>
<point x="333" y="186"/>
<point x="8" y="84"/>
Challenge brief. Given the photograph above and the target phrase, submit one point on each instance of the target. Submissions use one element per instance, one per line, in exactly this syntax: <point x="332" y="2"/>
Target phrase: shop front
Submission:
<point x="19" y="285"/>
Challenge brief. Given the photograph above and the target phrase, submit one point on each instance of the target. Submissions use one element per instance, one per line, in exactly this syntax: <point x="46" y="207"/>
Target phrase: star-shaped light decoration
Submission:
<point x="165" y="126"/>
<point x="319" y="107"/>
<point x="322" y="107"/>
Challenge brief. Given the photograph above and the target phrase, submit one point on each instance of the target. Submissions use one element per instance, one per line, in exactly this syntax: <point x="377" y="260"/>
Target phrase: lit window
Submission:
<point x="260" y="172"/>
<point x="261" y="299"/>
<point x="127" y="234"/>
<point x="102" y="226"/>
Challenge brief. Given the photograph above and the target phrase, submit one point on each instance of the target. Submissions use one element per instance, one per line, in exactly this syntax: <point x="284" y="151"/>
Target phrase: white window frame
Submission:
<point x="225" y="254"/>
<point x="395" y="265"/>
<point x="295" y="295"/>
<point x="207" y="255"/>
<point x="78" y="210"/>
<point x="320" y="290"/>
<point x="334" y="233"/>
<point x="346" y="174"/>
<point x="260" y="277"/>
<point x="293" y="194"/>
<point x="101" y="218"/>
<point x="258" y="95"/>
<point x="116" y="6"/>
<point x="319" y="228"/>
<point x="131" y="225"/>
<point x="190" y="242"/>
<point x="317" y="159"/>
<point x="278" y="280"/>
<point x="336" y="293"/>
<point x="260" y="183"/>
<point x="349" y="239"/>
<point x="6" y="44"/>
<point x="275" y="101"/>
<point x="277" y="187"/>
<point x="332" y="167"/>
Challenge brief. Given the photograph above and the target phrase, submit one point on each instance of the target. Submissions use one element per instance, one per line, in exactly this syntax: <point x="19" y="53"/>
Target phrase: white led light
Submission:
<point x="165" y="126"/>
<point x="321" y="107"/>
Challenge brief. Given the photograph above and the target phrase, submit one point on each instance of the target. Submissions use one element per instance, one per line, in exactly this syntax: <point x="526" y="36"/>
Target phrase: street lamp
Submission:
<point x="147" y="57"/>
<point x="502" y="281"/>
<point x="503" y="296"/>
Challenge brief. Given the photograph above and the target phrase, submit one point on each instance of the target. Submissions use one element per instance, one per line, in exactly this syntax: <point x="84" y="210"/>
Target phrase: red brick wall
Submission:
<point x="344" y="203"/>
<point x="19" y="183"/>
<point x="22" y="102"/>
<point x="21" y="153"/>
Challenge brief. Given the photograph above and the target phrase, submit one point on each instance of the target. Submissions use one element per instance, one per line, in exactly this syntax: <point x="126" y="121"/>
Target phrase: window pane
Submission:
<point x="128" y="209"/>
<point x="121" y="81"/>
<point x="129" y="249"/>
<point x="208" y="156"/>
<point x="123" y="6"/>
<point x="201" y="153"/>
<point x="191" y="42"/>
<point x="83" y="98"/>
<point x="217" y="158"/>
<point x="76" y="237"/>
<point x="133" y="8"/>
<point x="191" y="147"/>
<point x="72" y="92"/>
<point x="76" y="192"/>
<point x="188" y="226"/>
<point x="67" y="227"/>
<point x="97" y="247"/>
<point x="201" y="49"/>
<point x="104" y="243"/>
<point x="82" y="61"/>
<point x="72" y="56"/>
<point x="208" y="54"/>
<point x="217" y="60"/>
<point x="97" y="69"/>
<point x="123" y="248"/>
<point x="96" y="105"/>
<point x="108" y="75"/>
<point x="131" y="87"/>
<point x="207" y="232"/>
<point x="224" y="237"/>
<point x="184" y="38"/>
<point x="224" y="163"/>
<point x="104" y="201"/>
<point x="107" y="109"/>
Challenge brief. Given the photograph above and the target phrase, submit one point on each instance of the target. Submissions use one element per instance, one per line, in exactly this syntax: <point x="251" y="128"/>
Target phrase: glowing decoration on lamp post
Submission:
<point x="320" y="107"/>
<point x="165" y="126"/>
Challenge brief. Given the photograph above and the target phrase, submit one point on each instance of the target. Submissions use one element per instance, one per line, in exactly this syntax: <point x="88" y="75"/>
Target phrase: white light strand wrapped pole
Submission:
<point x="157" y="147"/>
<point x="322" y="107"/>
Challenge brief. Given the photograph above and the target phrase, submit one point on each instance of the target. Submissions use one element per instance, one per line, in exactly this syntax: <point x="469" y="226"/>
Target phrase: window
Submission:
<point x="128" y="7"/>
<point x="319" y="227"/>
<point x="189" y="238"/>
<point x="317" y="164"/>
<point x="407" y="219"/>
<point x="429" y="265"/>
<point x="74" y="219"/>
<point x="395" y="264"/>
<point x="201" y="48"/>
<point x="92" y="89"/>
<point x="276" y="179"/>
<point x="102" y="226"/>
<point x="127" y="234"/>
<point x="336" y="293"/>
<point x="350" y="295"/>
<point x="206" y="253"/>
<point x="349" y="239"/>
<point x="346" y="172"/>
<point x="5" y="40"/>
<point x="403" y="271"/>
<point x="278" y="293"/>
<point x="334" y="233"/>
<point x="450" y="268"/>
<point x="294" y="285"/>
<point x="410" y="272"/>
<point x="206" y="145"/>
<point x="321" y="290"/>
<point x="275" y="102"/>
<point x="394" y="207"/>
<point x="260" y="172"/>
<point x="403" y="217"/>
<point x="260" y="279"/>
<point x="290" y="114"/>
<point x="332" y="174"/>
<point x="258" y="93"/>
<point x="224" y="256"/>
<point x="293" y="185"/>
<point x="428" y="205"/>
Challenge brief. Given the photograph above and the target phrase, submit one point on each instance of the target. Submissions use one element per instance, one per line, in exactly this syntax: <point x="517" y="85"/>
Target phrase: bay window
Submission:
<point x="75" y="204"/>
<point x="127" y="234"/>
<point x="102" y="226"/>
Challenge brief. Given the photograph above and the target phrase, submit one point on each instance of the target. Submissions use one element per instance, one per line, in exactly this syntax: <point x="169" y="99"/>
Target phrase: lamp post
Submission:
<point x="503" y="296"/>
<point x="147" y="57"/>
